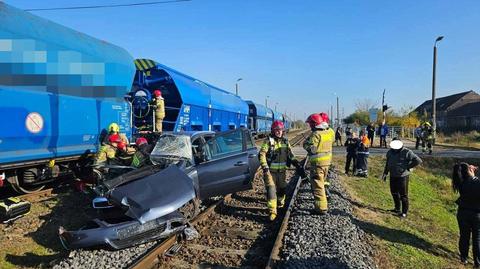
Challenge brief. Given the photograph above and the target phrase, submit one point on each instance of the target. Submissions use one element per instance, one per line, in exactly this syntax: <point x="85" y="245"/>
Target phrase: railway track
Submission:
<point x="234" y="232"/>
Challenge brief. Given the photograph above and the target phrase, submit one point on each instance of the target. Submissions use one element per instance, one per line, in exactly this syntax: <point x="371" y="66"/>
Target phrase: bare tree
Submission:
<point x="365" y="104"/>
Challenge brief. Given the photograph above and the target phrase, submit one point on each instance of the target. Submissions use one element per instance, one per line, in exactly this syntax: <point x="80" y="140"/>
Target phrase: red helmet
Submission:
<point x="114" y="138"/>
<point x="122" y="146"/>
<point x="157" y="93"/>
<point x="314" y="120"/>
<point x="324" y="117"/>
<point x="140" y="141"/>
<point x="277" y="125"/>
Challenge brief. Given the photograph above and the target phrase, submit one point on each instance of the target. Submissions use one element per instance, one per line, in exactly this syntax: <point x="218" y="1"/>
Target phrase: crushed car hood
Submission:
<point x="156" y="195"/>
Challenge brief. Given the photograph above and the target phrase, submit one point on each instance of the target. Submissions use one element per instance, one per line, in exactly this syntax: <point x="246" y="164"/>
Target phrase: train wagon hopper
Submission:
<point x="58" y="90"/>
<point x="190" y="104"/>
<point x="260" y="119"/>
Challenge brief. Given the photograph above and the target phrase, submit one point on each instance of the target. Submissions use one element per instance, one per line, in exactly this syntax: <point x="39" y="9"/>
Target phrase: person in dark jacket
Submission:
<point x="400" y="161"/>
<point x="352" y="145"/>
<point x="468" y="185"/>
<point x="338" y="136"/>
<point x="371" y="133"/>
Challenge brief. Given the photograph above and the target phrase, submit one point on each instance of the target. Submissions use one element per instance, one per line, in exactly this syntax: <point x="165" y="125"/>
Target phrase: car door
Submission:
<point x="253" y="161"/>
<point x="226" y="169"/>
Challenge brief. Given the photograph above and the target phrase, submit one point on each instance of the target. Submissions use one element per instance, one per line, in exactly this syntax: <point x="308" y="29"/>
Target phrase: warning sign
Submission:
<point x="34" y="122"/>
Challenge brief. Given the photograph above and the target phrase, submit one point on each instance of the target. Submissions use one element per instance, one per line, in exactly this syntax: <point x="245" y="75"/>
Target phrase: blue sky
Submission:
<point x="299" y="52"/>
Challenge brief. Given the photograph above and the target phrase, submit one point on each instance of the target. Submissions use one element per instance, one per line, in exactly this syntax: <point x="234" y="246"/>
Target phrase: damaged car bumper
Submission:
<point x="122" y="233"/>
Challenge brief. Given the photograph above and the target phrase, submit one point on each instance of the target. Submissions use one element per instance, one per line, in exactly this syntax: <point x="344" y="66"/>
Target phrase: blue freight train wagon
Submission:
<point x="58" y="90"/>
<point x="260" y="119"/>
<point x="190" y="104"/>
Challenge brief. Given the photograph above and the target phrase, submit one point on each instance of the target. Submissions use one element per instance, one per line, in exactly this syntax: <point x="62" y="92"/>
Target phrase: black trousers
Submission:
<point x="370" y="137"/>
<point x="469" y="224"/>
<point x="417" y="143"/>
<point x="351" y="158"/>
<point x="383" y="141"/>
<point x="399" y="191"/>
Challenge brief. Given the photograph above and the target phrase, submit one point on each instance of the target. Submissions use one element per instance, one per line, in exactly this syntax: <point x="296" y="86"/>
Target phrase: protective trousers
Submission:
<point x="317" y="181"/>
<point x="275" y="184"/>
<point x="399" y="191"/>
<point x="469" y="224"/>
<point x="158" y="125"/>
<point x="104" y="153"/>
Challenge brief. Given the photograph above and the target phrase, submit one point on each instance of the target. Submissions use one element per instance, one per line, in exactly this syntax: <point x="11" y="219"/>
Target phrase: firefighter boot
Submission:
<point x="281" y="197"/>
<point x="272" y="208"/>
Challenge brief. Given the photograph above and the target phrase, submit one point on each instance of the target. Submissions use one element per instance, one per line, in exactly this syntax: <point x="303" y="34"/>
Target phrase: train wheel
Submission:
<point x="29" y="175"/>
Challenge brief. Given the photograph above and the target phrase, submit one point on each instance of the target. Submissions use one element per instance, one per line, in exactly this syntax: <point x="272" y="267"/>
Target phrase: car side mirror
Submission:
<point x="101" y="202"/>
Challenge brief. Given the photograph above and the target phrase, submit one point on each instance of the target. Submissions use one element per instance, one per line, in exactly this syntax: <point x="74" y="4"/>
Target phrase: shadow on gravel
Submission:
<point x="316" y="262"/>
<point x="69" y="209"/>
<point x="402" y="237"/>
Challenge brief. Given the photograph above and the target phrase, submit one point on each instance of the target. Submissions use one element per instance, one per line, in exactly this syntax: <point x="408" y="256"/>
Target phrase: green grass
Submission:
<point x="427" y="238"/>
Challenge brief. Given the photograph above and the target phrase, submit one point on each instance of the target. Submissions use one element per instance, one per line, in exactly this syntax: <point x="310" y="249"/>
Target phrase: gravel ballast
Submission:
<point x="328" y="241"/>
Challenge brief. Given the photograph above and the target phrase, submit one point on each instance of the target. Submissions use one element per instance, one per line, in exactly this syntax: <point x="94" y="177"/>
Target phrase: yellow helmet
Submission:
<point x="427" y="123"/>
<point x="113" y="128"/>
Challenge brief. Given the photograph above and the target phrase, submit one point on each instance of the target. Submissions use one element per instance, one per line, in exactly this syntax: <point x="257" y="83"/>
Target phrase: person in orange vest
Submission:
<point x="159" y="106"/>
<point x="319" y="151"/>
<point x="362" y="155"/>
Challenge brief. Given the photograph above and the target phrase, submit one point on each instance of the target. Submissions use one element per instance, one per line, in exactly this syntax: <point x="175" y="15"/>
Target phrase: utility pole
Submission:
<point x="434" y="101"/>
<point x="236" y="86"/>
<point x="331" y="115"/>
<point x="338" y="114"/>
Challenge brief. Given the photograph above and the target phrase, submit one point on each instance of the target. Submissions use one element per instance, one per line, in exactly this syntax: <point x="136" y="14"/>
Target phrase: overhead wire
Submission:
<point x="108" y="6"/>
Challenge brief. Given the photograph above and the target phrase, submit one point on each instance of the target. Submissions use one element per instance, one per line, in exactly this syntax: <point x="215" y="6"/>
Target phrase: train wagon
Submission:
<point x="260" y="119"/>
<point x="190" y="104"/>
<point x="59" y="89"/>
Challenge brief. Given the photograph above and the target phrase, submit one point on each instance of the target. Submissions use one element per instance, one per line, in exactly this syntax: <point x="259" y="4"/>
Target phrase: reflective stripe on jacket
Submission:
<point x="275" y="152"/>
<point x="319" y="146"/>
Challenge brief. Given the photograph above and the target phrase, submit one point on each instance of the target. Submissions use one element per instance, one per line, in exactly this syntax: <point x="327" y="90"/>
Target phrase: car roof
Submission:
<point x="191" y="133"/>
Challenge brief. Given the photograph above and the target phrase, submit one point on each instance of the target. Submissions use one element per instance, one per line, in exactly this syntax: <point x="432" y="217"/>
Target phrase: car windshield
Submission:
<point x="172" y="146"/>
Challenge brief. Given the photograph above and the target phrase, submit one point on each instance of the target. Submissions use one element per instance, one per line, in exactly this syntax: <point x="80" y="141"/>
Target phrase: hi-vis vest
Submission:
<point x="319" y="147"/>
<point x="275" y="153"/>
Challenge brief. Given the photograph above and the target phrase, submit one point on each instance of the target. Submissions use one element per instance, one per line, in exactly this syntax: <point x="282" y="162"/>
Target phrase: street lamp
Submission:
<point x="236" y="86"/>
<point x="434" y="105"/>
<point x="266" y="103"/>
<point x="276" y="103"/>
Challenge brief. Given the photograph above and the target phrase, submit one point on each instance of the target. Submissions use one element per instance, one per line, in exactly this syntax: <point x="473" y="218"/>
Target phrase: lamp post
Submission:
<point x="434" y="105"/>
<point x="266" y="99"/>
<point x="276" y="103"/>
<point x="236" y="86"/>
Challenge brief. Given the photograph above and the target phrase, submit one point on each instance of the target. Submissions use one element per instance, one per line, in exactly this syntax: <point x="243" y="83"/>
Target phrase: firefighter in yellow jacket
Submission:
<point x="108" y="146"/>
<point x="159" y="106"/>
<point x="319" y="148"/>
<point x="275" y="156"/>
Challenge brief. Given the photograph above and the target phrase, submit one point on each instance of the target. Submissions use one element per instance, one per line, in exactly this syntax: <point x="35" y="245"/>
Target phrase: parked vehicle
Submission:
<point x="157" y="200"/>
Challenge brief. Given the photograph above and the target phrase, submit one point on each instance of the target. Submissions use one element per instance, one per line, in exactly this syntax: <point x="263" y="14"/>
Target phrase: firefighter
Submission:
<point x="141" y="156"/>
<point x="159" y="106"/>
<point x="109" y="144"/>
<point x="108" y="150"/>
<point x="275" y="156"/>
<point x="319" y="148"/>
<point x="427" y="137"/>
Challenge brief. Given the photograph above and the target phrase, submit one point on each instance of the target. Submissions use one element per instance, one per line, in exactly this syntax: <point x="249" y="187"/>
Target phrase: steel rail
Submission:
<point x="153" y="256"/>
<point x="275" y="253"/>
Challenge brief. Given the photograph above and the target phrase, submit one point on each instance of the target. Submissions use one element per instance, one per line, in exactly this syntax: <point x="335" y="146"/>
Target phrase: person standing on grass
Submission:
<point x="399" y="164"/>
<point x="467" y="184"/>
<point x="351" y="145"/>
<point x="371" y="133"/>
<point x="338" y="136"/>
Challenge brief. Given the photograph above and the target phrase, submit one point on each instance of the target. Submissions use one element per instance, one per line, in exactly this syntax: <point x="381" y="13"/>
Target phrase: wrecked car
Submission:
<point x="157" y="200"/>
